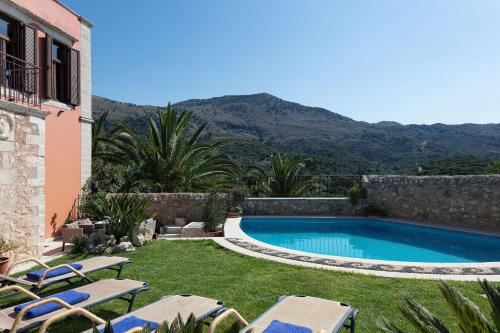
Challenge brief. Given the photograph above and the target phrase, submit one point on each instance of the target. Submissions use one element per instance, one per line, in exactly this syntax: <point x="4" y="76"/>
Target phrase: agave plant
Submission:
<point x="123" y="212"/>
<point x="177" y="326"/>
<point x="171" y="159"/>
<point x="286" y="177"/>
<point x="467" y="314"/>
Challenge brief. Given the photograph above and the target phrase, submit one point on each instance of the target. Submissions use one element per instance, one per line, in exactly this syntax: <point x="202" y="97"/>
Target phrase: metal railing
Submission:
<point x="311" y="186"/>
<point x="19" y="81"/>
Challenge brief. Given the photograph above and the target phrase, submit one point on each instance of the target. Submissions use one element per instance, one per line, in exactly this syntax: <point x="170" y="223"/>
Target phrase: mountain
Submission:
<point x="330" y="142"/>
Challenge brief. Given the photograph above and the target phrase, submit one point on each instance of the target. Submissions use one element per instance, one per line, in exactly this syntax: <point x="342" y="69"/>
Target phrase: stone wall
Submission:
<point x="464" y="201"/>
<point x="22" y="177"/>
<point x="298" y="206"/>
<point x="168" y="206"/>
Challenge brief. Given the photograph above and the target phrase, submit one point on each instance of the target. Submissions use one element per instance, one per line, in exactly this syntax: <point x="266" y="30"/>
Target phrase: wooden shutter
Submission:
<point x="49" y="89"/>
<point x="74" y="77"/>
<point x="29" y="52"/>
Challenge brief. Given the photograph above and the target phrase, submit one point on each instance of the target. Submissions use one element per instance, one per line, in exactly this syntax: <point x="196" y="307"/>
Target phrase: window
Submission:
<point x="4" y="27"/>
<point x="59" y="72"/>
<point x="6" y="38"/>
<point x="63" y="75"/>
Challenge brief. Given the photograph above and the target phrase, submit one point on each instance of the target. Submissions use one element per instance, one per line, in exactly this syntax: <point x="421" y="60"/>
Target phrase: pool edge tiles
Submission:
<point x="236" y="240"/>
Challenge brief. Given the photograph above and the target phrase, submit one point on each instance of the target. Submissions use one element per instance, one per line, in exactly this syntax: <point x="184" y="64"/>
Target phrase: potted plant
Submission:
<point x="5" y="246"/>
<point x="214" y="215"/>
<point x="234" y="212"/>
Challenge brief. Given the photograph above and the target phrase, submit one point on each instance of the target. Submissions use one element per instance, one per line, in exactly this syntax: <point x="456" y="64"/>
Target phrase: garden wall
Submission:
<point x="464" y="201"/>
<point x="168" y="206"/>
<point x="298" y="206"/>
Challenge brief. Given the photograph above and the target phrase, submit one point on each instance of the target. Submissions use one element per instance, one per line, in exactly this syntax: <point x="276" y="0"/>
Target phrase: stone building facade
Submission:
<point x="45" y="119"/>
<point x="22" y="176"/>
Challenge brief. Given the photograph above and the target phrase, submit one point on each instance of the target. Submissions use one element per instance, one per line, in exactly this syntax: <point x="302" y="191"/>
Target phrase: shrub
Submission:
<point x="6" y="245"/>
<point x="88" y="206"/>
<point x="214" y="212"/>
<point x="356" y="193"/>
<point x="79" y="243"/>
<point x="494" y="167"/>
<point x="123" y="212"/>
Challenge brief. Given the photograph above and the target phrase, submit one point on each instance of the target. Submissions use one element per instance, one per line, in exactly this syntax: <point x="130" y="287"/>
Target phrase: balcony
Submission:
<point x="19" y="81"/>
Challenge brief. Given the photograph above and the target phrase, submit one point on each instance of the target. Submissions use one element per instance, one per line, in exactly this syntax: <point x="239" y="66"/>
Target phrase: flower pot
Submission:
<point x="233" y="215"/>
<point x="4" y="265"/>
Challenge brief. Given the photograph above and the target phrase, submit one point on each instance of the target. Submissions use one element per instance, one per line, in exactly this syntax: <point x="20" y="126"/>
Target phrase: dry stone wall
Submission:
<point x="22" y="177"/>
<point x="168" y="206"/>
<point x="471" y="202"/>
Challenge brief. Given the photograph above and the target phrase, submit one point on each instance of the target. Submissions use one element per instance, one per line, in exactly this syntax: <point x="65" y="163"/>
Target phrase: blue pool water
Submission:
<point x="372" y="239"/>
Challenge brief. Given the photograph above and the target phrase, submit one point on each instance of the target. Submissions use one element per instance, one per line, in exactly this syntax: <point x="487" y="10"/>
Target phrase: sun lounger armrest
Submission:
<point x="71" y="312"/>
<point x="42" y="278"/>
<point x="23" y="262"/>
<point x="227" y="314"/>
<point x="19" y="289"/>
<point x="22" y="313"/>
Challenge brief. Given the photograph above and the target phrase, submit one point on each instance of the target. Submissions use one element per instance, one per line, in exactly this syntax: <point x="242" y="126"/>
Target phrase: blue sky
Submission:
<point x="422" y="61"/>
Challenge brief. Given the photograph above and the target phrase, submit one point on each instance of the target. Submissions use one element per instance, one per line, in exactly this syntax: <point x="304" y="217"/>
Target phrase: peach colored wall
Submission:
<point x="62" y="167"/>
<point x="53" y="13"/>
<point x="62" y="143"/>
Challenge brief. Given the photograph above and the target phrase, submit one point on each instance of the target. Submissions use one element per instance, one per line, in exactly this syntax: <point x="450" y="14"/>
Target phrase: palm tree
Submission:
<point x="172" y="160"/>
<point x="286" y="177"/>
<point x="106" y="144"/>
<point x="467" y="314"/>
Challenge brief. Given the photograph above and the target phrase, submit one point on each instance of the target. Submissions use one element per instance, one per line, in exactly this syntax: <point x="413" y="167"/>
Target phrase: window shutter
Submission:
<point x="49" y="90"/>
<point x="29" y="51"/>
<point x="74" y="77"/>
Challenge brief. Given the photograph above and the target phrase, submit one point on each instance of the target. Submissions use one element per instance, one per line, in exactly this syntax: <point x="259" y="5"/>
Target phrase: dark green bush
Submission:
<point x="79" y="244"/>
<point x="89" y="204"/>
<point x="356" y="193"/>
<point x="214" y="212"/>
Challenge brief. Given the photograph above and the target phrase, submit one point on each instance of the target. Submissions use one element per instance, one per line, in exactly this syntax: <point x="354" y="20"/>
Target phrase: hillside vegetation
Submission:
<point x="330" y="143"/>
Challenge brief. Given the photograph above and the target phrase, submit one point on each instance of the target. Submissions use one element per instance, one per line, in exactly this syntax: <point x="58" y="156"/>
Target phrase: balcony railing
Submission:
<point x="19" y="81"/>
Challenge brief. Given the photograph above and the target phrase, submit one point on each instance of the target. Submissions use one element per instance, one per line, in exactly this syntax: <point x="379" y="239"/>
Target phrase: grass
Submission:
<point x="252" y="285"/>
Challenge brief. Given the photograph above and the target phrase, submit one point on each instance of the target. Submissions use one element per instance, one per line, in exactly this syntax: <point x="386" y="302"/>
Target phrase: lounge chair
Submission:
<point x="25" y="317"/>
<point x="166" y="309"/>
<point x="87" y="266"/>
<point x="310" y="313"/>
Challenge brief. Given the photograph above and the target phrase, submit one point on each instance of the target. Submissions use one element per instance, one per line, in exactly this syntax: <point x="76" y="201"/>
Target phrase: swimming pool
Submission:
<point x="376" y="239"/>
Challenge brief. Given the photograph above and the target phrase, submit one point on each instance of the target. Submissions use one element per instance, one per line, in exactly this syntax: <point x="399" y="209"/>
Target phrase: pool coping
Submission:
<point x="235" y="239"/>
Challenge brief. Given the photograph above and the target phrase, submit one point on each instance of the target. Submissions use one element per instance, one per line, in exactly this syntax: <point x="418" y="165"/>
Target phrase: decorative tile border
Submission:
<point x="438" y="270"/>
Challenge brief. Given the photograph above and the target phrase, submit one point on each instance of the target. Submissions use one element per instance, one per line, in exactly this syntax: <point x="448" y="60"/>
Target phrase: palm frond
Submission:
<point x="493" y="295"/>
<point x="468" y="315"/>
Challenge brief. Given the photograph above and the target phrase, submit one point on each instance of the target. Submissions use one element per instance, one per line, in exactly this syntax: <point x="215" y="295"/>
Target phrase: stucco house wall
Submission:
<point x="61" y="132"/>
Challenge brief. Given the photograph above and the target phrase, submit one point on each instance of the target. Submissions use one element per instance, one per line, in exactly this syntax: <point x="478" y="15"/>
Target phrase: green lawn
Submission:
<point x="252" y="285"/>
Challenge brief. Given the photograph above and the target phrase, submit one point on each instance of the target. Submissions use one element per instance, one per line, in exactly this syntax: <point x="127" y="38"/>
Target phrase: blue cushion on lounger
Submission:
<point x="279" y="327"/>
<point x="70" y="297"/>
<point x="128" y="323"/>
<point x="37" y="275"/>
